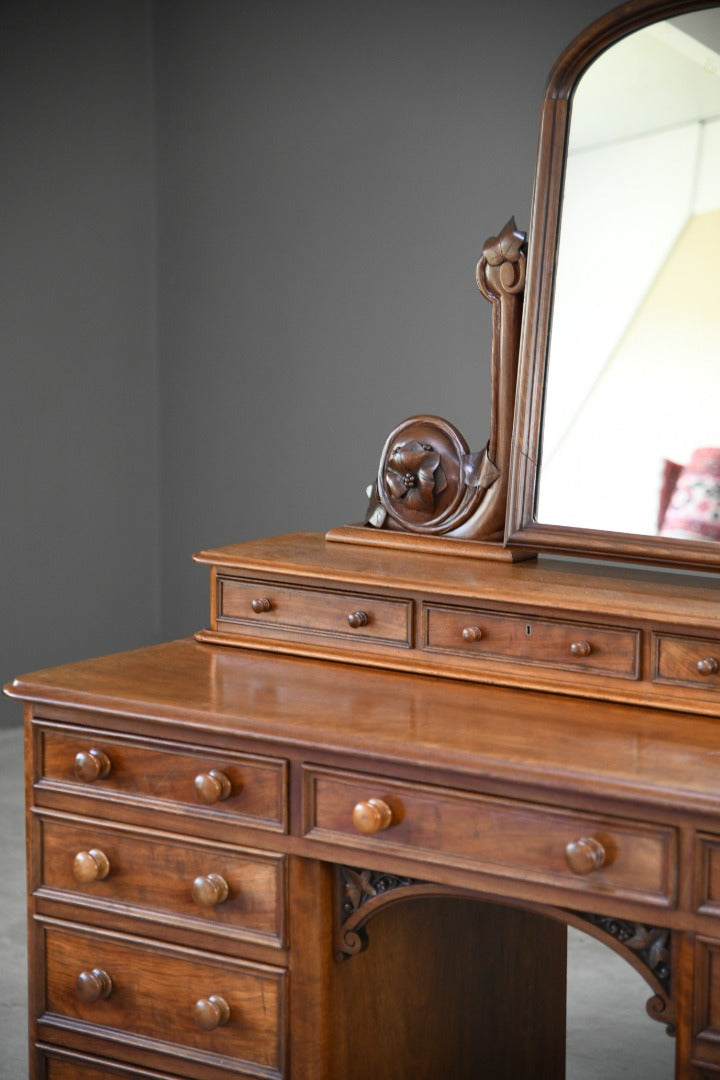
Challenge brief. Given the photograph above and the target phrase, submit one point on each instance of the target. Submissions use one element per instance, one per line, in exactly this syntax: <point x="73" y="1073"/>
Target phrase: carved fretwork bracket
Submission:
<point x="648" y="949"/>
<point x="359" y="894"/>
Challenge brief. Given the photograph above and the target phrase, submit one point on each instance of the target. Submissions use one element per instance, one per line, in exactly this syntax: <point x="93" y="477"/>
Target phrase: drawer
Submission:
<point x="525" y="841"/>
<point x="242" y="788"/>
<point x="707" y="992"/>
<point x="707" y="897"/>
<point x="480" y="635"/>
<point x="137" y="996"/>
<point x="64" y="1065"/>
<point x="208" y="887"/>
<point x="686" y="661"/>
<point x="265" y="607"/>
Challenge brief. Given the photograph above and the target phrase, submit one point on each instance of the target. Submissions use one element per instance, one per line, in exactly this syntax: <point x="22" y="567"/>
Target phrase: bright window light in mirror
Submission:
<point x="633" y="373"/>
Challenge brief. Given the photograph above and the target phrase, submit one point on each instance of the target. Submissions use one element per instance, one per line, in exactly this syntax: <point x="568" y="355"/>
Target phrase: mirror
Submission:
<point x="617" y="430"/>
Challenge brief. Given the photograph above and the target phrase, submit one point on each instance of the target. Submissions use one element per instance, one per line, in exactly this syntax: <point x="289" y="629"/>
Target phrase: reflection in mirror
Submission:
<point x="633" y="371"/>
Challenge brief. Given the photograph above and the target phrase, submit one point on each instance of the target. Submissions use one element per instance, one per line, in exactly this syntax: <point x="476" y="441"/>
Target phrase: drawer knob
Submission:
<point x="95" y="985"/>
<point x="260" y="605"/>
<point x="581" y="648"/>
<point x="90" y="765"/>
<point x="212" y="787"/>
<point x="585" y="855"/>
<point x="209" y="890"/>
<point x="372" y="816"/>
<point x="211" y="1012"/>
<point x="92" y="865"/>
<point x="357" y="619"/>
<point x="472" y="633"/>
<point x="707" y="666"/>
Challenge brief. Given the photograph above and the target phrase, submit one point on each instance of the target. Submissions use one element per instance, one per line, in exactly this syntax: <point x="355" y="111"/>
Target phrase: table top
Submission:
<point x="481" y="733"/>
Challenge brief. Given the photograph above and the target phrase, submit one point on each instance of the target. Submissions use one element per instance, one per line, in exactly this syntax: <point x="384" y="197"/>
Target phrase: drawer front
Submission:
<point x="687" y="661"/>
<point x="137" y="993"/>
<point x="64" y="1065"/>
<point x="243" y="788"/>
<point x="707" y="990"/>
<point x="707" y="899"/>
<point x="316" y="611"/>
<point x="496" y="836"/>
<point x="483" y="635"/>
<point x="210" y="887"/>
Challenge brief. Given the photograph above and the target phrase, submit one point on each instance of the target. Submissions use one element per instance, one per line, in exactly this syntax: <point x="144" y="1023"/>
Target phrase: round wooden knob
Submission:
<point x="260" y="605"/>
<point x="472" y="633"/>
<point x="209" y="890"/>
<point x="211" y="1012"/>
<point x="92" y="865"/>
<point x="212" y="787"/>
<point x="372" y="816"/>
<point x="93" y="985"/>
<point x="707" y="666"/>
<point x="357" y="619"/>
<point x="90" y="765"/>
<point x="585" y="855"/>
<point x="581" y="648"/>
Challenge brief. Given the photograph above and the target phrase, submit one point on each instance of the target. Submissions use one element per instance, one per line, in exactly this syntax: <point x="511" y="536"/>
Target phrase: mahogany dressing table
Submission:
<point x="342" y="831"/>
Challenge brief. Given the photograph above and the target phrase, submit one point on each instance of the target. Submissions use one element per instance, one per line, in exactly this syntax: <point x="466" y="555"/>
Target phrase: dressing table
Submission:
<point x="341" y="831"/>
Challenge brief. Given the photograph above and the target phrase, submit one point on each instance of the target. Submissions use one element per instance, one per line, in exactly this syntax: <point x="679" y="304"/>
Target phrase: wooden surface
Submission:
<point x="483" y="732"/>
<point x="591" y="631"/>
<point x="492" y="792"/>
<point x="548" y="582"/>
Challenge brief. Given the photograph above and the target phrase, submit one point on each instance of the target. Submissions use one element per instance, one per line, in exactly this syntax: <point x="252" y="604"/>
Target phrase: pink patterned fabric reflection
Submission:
<point x="690" y="497"/>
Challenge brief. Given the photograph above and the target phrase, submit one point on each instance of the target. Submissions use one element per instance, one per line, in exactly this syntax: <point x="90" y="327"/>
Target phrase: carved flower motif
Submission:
<point x="413" y="475"/>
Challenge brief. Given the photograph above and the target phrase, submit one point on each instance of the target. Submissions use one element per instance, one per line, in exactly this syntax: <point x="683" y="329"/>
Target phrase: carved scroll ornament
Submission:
<point x="428" y="481"/>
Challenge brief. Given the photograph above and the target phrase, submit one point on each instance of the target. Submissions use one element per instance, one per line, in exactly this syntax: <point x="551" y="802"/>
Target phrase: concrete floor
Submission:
<point x="609" y="1034"/>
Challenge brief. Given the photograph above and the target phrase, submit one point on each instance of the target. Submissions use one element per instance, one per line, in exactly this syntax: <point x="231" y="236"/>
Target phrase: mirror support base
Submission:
<point x="429" y="545"/>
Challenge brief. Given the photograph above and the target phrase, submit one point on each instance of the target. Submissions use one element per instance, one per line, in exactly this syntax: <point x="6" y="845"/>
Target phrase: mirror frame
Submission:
<point x="522" y="527"/>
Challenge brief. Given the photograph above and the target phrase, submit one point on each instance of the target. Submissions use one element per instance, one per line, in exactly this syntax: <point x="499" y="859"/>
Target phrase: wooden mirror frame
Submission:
<point x="522" y="528"/>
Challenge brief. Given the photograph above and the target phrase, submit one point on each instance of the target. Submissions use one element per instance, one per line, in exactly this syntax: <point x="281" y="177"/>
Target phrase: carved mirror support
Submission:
<point x="429" y="483"/>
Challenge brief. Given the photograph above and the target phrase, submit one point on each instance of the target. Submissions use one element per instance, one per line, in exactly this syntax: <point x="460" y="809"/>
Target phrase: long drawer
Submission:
<point x="528" y="842"/>
<point x="214" y="888"/>
<point x="135" y="996"/>
<point x="241" y="788"/>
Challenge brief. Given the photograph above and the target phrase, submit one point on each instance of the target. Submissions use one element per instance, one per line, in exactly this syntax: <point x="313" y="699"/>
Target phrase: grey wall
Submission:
<point x="79" y="449"/>
<point x="327" y="175"/>
<point x="238" y="242"/>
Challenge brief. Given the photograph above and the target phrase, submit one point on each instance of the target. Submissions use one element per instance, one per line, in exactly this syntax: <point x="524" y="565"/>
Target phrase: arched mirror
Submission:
<point x="617" y="429"/>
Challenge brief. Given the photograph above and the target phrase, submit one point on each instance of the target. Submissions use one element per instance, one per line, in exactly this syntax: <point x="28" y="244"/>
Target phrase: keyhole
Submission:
<point x="528" y="629"/>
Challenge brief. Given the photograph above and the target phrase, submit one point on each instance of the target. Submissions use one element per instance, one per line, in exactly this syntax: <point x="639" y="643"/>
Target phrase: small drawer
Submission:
<point x="266" y="607"/>
<point x="242" y="788"/>
<point x="135" y="995"/>
<point x="686" y="661"/>
<point x="484" y="635"/>
<point x="208" y="887"/>
<point x="496" y="836"/>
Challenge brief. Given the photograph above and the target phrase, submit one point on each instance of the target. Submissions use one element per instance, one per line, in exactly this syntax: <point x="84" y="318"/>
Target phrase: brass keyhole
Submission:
<point x="528" y="629"/>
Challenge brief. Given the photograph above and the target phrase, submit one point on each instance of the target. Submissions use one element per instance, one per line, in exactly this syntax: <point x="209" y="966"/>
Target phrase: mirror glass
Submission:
<point x="630" y="437"/>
